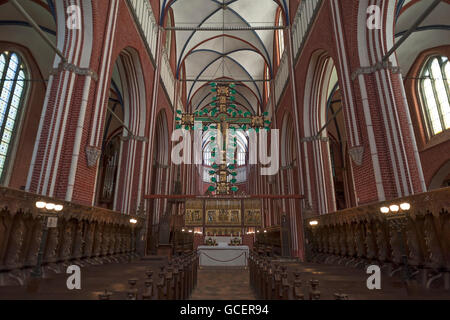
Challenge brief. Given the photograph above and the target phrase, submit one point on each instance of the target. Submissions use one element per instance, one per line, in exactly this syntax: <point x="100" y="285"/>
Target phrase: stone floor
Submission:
<point x="217" y="284"/>
<point x="353" y="282"/>
<point x="223" y="284"/>
<point x="94" y="280"/>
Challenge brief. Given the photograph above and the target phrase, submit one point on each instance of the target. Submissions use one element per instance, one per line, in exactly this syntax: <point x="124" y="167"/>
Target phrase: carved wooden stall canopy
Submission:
<point x="82" y="235"/>
<point x="366" y="235"/>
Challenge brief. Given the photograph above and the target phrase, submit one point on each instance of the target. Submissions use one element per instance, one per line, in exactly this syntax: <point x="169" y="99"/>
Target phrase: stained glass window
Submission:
<point x="12" y="88"/>
<point x="434" y="88"/>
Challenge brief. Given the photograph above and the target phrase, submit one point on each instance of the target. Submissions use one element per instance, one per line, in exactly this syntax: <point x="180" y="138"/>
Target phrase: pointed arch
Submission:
<point x="128" y="90"/>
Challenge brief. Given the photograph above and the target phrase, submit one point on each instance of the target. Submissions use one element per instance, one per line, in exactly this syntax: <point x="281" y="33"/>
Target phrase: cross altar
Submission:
<point x="223" y="256"/>
<point x="223" y="116"/>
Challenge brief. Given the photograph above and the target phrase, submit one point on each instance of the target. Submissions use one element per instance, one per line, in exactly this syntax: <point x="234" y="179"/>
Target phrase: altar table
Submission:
<point x="223" y="256"/>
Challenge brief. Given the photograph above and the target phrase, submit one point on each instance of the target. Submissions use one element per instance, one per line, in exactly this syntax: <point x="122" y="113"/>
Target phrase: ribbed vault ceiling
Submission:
<point x="236" y="55"/>
<point x="433" y="32"/>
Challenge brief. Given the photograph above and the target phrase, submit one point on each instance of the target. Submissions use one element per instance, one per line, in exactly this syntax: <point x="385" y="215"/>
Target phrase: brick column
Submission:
<point x="384" y="154"/>
<point x="68" y="93"/>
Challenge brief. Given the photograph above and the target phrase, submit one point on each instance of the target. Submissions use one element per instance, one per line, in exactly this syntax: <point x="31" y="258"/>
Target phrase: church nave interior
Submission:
<point x="224" y="150"/>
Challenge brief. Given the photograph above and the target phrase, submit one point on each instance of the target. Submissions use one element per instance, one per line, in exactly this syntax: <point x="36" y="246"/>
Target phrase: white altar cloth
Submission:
<point x="223" y="256"/>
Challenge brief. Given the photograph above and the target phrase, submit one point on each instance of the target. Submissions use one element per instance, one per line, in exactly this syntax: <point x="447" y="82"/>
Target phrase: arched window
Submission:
<point x="208" y="159"/>
<point x="267" y="82"/>
<point x="435" y="93"/>
<point x="181" y="83"/>
<point x="280" y="35"/>
<point x="12" y="90"/>
<point x="241" y="155"/>
<point x="169" y="34"/>
<point x="110" y="160"/>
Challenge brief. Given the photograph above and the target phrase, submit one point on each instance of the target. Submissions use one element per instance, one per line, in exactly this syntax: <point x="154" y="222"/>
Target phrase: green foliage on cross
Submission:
<point x="223" y="110"/>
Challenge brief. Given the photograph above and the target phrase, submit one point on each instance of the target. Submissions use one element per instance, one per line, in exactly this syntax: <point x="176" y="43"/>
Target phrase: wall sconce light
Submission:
<point x="313" y="223"/>
<point x="265" y="231"/>
<point x="384" y="210"/>
<point x="133" y="221"/>
<point x="394" y="208"/>
<point x="182" y="230"/>
<point x="40" y="204"/>
<point x="405" y="206"/>
<point x="190" y="231"/>
<point x="50" y="206"/>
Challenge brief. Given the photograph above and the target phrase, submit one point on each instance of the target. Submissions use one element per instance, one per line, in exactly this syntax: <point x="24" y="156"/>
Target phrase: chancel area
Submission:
<point x="224" y="149"/>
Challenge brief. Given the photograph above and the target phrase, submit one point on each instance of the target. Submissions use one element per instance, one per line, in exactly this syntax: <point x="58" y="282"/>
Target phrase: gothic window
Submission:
<point x="110" y="160"/>
<point x="12" y="92"/>
<point x="207" y="156"/>
<point x="267" y="82"/>
<point x="280" y="35"/>
<point x="181" y="83"/>
<point x="241" y="157"/>
<point x="169" y="35"/>
<point x="435" y="93"/>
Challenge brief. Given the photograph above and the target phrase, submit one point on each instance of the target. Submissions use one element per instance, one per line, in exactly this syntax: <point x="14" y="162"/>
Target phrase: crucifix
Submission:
<point x="223" y="115"/>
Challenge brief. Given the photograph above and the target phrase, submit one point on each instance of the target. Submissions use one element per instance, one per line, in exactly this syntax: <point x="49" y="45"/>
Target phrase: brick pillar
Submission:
<point x="385" y="161"/>
<point x="64" y="163"/>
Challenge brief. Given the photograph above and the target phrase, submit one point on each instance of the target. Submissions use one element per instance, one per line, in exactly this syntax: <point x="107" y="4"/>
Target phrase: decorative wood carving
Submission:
<point x="82" y="232"/>
<point x="359" y="240"/>
<point x="415" y="257"/>
<point x="435" y="256"/>
<point x="382" y="241"/>
<point x="15" y="244"/>
<point x="422" y="233"/>
<point x="370" y="242"/>
<point x="350" y="240"/>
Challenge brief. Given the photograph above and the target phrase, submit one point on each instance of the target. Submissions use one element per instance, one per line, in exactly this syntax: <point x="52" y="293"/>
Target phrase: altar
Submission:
<point x="224" y="221"/>
<point x="223" y="256"/>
